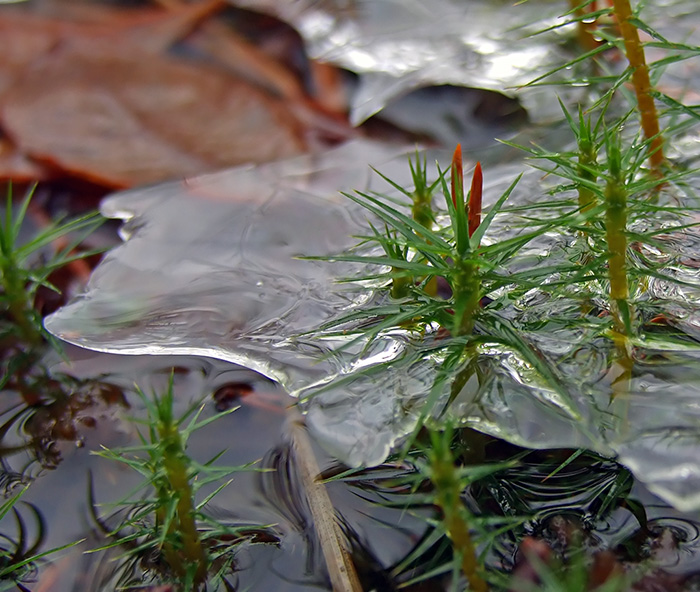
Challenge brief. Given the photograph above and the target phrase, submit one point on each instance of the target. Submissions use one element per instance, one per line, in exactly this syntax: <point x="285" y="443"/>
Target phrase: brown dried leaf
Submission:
<point x="89" y="95"/>
<point x="14" y="166"/>
<point x="120" y="117"/>
<point x="22" y="43"/>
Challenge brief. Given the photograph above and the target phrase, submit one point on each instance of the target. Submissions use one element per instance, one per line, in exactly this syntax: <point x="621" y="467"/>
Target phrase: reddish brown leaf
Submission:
<point x="121" y="117"/>
<point x="245" y="59"/>
<point x="89" y="95"/>
<point x="16" y="167"/>
<point x="605" y="567"/>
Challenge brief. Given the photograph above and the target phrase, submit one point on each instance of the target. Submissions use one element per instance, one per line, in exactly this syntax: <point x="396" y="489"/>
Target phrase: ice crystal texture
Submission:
<point x="211" y="266"/>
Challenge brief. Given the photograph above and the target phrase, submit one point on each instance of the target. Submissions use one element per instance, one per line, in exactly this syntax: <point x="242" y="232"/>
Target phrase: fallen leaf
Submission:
<point x="95" y="97"/>
<point x="123" y="118"/>
<point x="16" y="167"/>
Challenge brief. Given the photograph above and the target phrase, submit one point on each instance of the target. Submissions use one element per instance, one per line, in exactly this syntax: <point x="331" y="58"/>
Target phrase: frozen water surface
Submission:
<point x="211" y="267"/>
<point x="397" y="46"/>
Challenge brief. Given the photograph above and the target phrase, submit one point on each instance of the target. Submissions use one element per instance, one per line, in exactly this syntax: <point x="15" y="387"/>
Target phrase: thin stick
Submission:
<point x="338" y="561"/>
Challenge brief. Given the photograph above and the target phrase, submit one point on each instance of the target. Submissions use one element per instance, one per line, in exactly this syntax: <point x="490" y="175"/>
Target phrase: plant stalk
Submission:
<point x="176" y="469"/>
<point x="587" y="159"/>
<point x="19" y="306"/>
<point x="642" y="84"/>
<point x="448" y="498"/>
<point x="467" y="295"/>
<point x="615" y="228"/>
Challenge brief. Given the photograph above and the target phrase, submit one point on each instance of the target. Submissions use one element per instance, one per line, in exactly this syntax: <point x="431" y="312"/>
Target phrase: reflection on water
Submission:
<point x="383" y="514"/>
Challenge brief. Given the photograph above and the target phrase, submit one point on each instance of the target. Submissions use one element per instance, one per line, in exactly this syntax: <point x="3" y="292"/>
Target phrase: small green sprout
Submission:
<point x="170" y="520"/>
<point x="24" y="267"/>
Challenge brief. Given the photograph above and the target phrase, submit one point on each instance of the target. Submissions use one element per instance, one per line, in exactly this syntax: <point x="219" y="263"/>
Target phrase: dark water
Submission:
<point x="590" y="503"/>
<point x="52" y="447"/>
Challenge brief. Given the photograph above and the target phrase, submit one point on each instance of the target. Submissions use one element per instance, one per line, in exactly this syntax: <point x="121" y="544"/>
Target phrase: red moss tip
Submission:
<point x="457" y="174"/>
<point x="475" y="199"/>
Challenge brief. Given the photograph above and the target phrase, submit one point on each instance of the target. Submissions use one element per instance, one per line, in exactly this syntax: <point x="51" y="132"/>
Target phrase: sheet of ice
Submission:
<point x="210" y="267"/>
<point x="397" y="46"/>
<point x="401" y="45"/>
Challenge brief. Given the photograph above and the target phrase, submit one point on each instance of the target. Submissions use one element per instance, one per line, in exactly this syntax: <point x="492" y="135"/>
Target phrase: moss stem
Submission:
<point x="616" y="237"/>
<point x="585" y="29"/>
<point x="615" y="228"/>
<point x="19" y="306"/>
<point x="587" y="160"/>
<point x="192" y="552"/>
<point x="642" y="84"/>
<point x="448" y="498"/>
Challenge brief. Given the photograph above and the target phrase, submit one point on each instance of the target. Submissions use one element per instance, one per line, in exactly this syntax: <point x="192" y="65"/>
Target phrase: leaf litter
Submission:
<point x="102" y="100"/>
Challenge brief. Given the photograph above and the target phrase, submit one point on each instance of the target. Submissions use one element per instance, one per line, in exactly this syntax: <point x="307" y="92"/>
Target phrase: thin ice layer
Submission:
<point x="397" y="46"/>
<point x="211" y="267"/>
<point x="400" y="46"/>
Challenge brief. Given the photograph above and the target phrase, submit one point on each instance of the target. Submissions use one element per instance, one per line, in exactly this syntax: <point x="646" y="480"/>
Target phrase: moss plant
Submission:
<point x="619" y="193"/>
<point x="470" y="273"/>
<point x="466" y="285"/>
<point x="587" y="159"/>
<point x="616" y="237"/>
<point x="172" y="521"/>
<point x="439" y="473"/>
<point x="422" y="212"/>
<point x="422" y="194"/>
<point x="638" y="71"/>
<point x="514" y="494"/>
<point x="23" y="269"/>
<point x="607" y="214"/>
<point x="182" y="545"/>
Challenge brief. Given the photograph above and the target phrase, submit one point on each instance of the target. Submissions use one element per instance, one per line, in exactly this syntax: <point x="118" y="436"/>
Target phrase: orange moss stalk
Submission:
<point x="475" y="199"/>
<point x="585" y="29"/>
<point x="642" y="85"/>
<point x="457" y="178"/>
